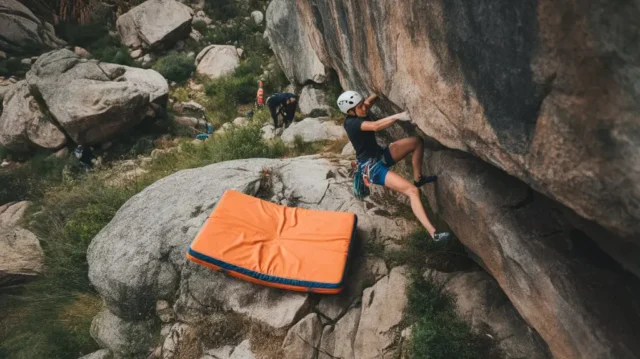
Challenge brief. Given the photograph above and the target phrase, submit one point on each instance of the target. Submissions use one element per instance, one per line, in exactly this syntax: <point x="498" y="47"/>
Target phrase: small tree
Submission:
<point x="175" y="67"/>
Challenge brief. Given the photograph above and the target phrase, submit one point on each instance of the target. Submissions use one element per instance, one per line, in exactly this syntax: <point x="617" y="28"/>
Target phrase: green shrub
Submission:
<point x="299" y="144"/>
<point x="78" y="214"/>
<point x="319" y="112"/>
<point x="250" y="67"/>
<point x="175" y="67"/>
<point x="200" y="26"/>
<point x="105" y="50"/>
<point x="245" y="33"/>
<point x="48" y="326"/>
<point x="181" y="94"/>
<point x="83" y="35"/>
<point x="276" y="81"/>
<point x="255" y="43"/>
<point x="227" y="92"/>
<point x="438" y="332"/>
<point x="222" y="9"/>
<point x="223" y="100"/>
<point x="236" y="143"/>
<point x="227" y="9"/>
<point x="262" y="116"/>
<point x="241" y="86"/>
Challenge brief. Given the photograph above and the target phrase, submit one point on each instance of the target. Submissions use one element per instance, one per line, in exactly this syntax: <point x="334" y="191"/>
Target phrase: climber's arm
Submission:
<point x="369" y="101"/>
<point x="379" y="125"/>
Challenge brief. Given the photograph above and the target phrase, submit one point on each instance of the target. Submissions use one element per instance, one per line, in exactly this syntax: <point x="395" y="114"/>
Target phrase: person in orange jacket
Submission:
<point x="260" y="95"/>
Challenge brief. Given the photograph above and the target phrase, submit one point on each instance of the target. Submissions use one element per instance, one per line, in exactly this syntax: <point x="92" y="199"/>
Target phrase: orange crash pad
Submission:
<point x="273" y="245"/>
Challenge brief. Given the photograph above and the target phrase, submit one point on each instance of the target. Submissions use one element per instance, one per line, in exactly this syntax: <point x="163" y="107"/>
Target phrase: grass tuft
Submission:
<point x="438" y="333"/>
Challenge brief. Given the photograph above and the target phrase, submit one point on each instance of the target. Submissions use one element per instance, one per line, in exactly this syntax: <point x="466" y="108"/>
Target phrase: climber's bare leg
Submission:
<point x="399" y="184"/>
<point x="402" y="148"/>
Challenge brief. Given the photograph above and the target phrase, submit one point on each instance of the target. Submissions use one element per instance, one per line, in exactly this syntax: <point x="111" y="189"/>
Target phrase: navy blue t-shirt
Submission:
<point x="279" y="98"/>
<point x="364" y="142"/>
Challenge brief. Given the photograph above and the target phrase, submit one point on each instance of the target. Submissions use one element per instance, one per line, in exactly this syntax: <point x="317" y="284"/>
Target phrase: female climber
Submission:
<point x="375" y="161"/>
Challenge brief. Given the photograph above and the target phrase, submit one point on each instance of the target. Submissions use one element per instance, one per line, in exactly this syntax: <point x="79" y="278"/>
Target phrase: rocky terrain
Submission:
<point x="88" y="102"/>
<point x="24" y="33"/>
<point x="22" y="257"/>
<point x="530" y="115"/>
<point x="138" y="266"/>
<point x="546" y="194"/>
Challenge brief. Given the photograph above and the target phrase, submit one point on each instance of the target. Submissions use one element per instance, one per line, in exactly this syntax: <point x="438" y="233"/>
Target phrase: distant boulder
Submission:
<point x="21" y="32"/>
<point x="65" y="95"/>
<point x="94" y="101"/>
<point x="313" y="102"/>
<point x="155" y="23"/>
<point x="217" y="60"/>
<point x="257" y="17"/>
<point x="23" y="124"/>
<point x="21" y="256"/>
<point x="313" y="130"/>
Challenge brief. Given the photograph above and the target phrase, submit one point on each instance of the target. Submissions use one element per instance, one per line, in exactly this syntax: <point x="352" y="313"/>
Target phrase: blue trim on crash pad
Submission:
<point x="273" y="279"/>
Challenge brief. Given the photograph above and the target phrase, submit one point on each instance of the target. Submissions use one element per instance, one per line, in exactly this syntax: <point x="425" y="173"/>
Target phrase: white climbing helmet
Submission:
<point x="349" y="100"/>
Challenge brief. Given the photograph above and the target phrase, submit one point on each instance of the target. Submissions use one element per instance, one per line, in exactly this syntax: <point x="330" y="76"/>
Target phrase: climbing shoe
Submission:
<point x="442" y="236"/>
<point x="424" y="180"/>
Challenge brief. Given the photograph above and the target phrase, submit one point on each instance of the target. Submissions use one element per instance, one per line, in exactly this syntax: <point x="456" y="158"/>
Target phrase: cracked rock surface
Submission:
<point x="547" y="267"/>
<point x="516" y="101"/>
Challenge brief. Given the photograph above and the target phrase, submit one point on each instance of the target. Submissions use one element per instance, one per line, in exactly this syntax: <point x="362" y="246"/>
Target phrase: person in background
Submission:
<point x="85" y="156"/>
<point x="374" y="162"/>
<point x="285" y="103"/>
<point x="260" y="96"/>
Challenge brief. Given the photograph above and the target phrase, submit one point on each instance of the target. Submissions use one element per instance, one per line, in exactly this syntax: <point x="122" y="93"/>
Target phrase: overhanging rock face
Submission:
<point x="543" y="90"/>
<point x="582" y="303"/>
<point x="291" y="44"/>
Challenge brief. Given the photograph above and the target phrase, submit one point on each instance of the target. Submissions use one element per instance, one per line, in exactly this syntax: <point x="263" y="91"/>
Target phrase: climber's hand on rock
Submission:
<point x="402" y="116"/>
<point x="369" y="101"/>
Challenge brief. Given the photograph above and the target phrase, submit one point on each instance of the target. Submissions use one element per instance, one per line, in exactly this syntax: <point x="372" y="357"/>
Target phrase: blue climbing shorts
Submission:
<point x="379" y="169"/>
